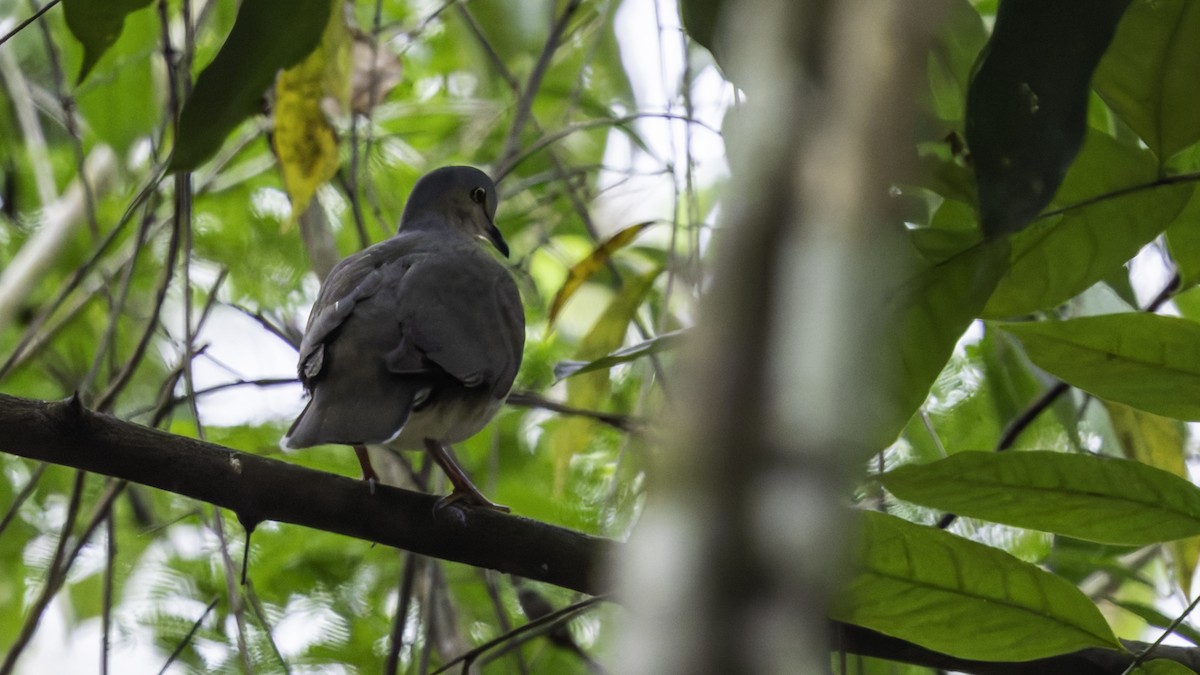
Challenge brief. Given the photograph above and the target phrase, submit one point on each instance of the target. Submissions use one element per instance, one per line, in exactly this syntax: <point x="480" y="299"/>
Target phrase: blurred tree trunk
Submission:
<point x="732" y="565"/>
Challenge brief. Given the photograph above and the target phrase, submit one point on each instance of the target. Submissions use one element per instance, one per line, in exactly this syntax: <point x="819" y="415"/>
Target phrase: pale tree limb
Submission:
<point x="742" y="538"/>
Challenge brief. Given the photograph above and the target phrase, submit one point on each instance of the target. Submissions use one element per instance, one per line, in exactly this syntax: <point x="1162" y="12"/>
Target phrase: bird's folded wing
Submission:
<point x="351" y="281"/>
<point x="464" y="314"/>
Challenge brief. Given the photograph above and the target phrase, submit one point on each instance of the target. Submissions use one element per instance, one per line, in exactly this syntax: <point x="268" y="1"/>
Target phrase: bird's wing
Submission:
<point x="354" y="279"/>
<point x="461" y="311"/>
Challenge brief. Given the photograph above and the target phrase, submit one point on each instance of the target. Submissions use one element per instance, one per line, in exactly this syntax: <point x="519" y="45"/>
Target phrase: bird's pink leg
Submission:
<point x="464" y="489"/>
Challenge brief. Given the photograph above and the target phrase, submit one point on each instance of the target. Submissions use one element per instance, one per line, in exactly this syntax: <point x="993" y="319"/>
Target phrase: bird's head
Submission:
<point x="459" y="197"/>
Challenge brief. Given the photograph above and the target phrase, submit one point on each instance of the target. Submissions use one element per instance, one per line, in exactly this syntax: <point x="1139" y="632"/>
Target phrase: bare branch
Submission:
<point x="259" y="489"/>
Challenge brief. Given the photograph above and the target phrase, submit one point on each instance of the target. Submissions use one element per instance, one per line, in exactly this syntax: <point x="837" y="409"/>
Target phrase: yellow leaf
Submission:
<point x="584" y="269"/>
<point x="305" y="140"/>
<point x="1161" y="443"/>
<point x="589" y="390"/>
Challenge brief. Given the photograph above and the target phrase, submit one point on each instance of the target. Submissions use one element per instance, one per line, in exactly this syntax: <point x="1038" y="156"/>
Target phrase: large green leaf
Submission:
<point x="955" y="48"/>
<point x="1059" y="257"/>
<point x="269" y="35"/>
<point x="928" y="315"/>
<point x="1148" y="361"/>
<point x="959" y="597"/>
<point x="1183" y="242"/>
<point x="97" y="24"/>
<point x="1027" y="103"/>
<point x="1149" y="75"/>
<point x="1090" y="497"/>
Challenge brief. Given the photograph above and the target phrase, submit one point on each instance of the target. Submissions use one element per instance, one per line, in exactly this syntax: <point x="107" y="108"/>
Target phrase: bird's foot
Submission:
<point x="473" y="499"/>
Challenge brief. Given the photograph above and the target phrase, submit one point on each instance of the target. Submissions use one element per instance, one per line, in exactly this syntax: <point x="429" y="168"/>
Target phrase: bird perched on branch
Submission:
<point x="414" y="342"/>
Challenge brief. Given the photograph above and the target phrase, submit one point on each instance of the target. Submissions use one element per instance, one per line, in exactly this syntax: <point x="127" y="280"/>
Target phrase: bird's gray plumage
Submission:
<point x="417" y="337"/>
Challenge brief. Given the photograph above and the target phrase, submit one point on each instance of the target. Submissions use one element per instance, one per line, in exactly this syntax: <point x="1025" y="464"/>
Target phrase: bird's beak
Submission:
<point x="493" y="234"/>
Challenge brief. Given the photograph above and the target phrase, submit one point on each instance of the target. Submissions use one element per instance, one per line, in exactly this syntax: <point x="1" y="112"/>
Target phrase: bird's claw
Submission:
<point x="469" y="499"/>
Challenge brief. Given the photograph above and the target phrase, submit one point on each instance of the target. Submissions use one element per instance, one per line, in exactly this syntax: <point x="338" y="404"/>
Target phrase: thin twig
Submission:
<point x="188" y="638"/>
<point x="24" y="24"/>
<point x="528" y="399"/>
<point x="541" y="625"/>
<point x="261" y="614"/>
<point x="23" y="495"/>
<point x="407" y="576"/>
<point x="110" y="559"/>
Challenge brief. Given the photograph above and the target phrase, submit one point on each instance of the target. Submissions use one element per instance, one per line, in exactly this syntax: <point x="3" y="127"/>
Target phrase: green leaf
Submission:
<point x="1148" y="361"/>
<point x="565" y="369"/>
<point x="1162" y="667"/>
<point x="1157" y="619"/>
<point x="1148" y="76"/>
<point x="1160" y="442"/>
<point x="955" y="48"/>
<point x="97" y="24"/>
<point x="1183" y="242"/>
<point x="1091" y="497"/>
<point x="231" y="88"/>
<point x="594" y="262"/>
<point x="1027" y="103"/>
<point x="962" y="598"/>
<point x="1105" y="225"/>
<point x="929" y="313"/>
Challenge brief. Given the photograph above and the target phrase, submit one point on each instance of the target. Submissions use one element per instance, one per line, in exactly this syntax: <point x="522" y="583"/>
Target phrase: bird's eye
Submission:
<point x="479" y="195"/>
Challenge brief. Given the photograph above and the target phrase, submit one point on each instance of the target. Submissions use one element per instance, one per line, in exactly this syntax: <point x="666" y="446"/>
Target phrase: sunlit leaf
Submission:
<point x="928" y="315"/>
<point x="1027" y="103"/>
<point x="596" y="261"/>
<point x="1089" y="497"/>
<point x="1148" y="361"/>
<point x="1148" y="75"/>
<point x="1157" y="619"/>
<point x="955" y="48"/>
<point x="589" y="390"/>
<point x="231" y="88"/>
<point x="305" y="140"/>
<point x="1160" y="442"/>
<point x="565" y="369"/>
<point x="963" y="598"/>
<point x="1183" y="243"/>
<point x="97" y="24"/>
<point x="1058" y="257"/>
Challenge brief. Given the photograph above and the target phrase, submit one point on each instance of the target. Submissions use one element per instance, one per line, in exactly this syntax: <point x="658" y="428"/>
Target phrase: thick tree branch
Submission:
<point x="260" y="489"/>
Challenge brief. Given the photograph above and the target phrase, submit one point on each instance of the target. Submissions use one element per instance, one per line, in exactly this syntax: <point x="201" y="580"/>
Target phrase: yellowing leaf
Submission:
<point x="584" y="269"/>
<point x="589" y="390"/>
<point x="1161" y="443"/>
<point x="305" y="141"/>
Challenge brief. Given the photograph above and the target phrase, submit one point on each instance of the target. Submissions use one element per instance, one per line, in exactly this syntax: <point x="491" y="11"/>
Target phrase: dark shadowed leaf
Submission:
<point x="565" y="369"/>
<point x="269" y="35"/>
<point x="1147" y="361"/>
<point x="1027" y="103"/>
<point x="97" y="24"/>
<point x="959" y="597"/>
<point x="1149" y="75"/>
<point x="1090" y="497"/>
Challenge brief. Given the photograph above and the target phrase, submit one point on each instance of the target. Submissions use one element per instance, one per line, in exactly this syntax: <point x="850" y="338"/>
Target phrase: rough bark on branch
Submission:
<point x="259" y="489"/>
